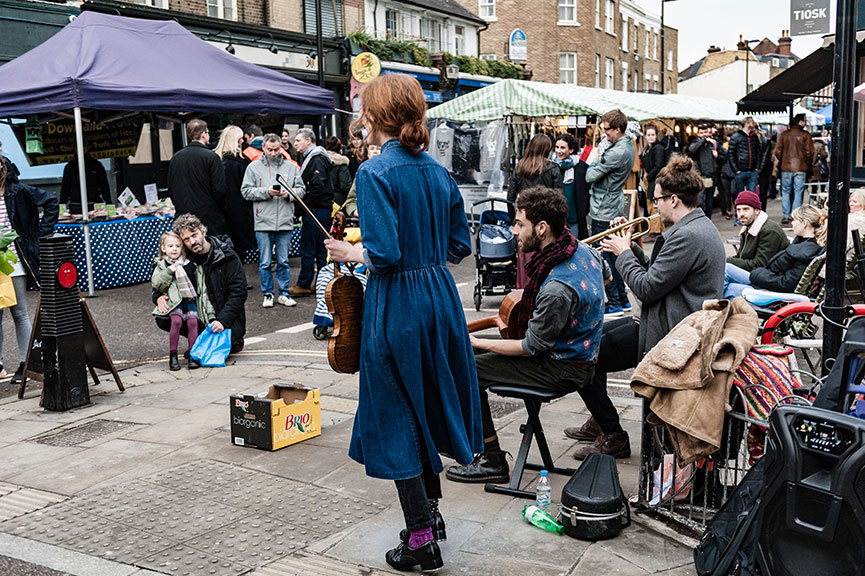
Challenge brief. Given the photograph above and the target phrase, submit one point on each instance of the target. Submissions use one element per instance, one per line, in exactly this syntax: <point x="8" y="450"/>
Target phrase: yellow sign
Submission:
<point x="366" y="67"/>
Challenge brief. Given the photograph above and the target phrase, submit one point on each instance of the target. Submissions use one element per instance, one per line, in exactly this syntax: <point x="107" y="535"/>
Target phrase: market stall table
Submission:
<point x="123" y="250"/>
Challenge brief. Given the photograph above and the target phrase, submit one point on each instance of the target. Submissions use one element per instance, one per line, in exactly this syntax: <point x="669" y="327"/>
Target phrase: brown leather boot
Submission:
<point x="617" y="445"/>
<point x="589" y="431"/>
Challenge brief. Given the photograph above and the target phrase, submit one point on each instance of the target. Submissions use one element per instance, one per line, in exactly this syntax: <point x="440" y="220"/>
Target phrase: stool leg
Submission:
<point x="534" y="410"/>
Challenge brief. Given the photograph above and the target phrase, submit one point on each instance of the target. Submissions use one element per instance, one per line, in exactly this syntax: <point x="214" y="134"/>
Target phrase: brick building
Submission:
<point x="597" y="43"/>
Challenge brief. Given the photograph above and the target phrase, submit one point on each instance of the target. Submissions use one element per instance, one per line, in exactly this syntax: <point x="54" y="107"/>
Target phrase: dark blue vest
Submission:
<point x="581" y="338"/>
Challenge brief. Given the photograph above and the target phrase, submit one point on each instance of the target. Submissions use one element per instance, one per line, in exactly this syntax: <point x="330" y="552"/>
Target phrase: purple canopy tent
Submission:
<point x="106" y="62"/>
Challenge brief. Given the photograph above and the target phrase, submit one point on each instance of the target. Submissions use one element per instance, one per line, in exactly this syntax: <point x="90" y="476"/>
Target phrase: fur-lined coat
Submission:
<point x="687" y="376"/>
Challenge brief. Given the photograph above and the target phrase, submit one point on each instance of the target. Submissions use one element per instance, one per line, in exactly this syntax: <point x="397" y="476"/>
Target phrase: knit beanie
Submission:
<point x="748" y="198"/>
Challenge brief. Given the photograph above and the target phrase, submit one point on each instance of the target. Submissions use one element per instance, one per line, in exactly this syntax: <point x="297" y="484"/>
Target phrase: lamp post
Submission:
<point x="663" y="51"/>
<point x="747" y="44"/>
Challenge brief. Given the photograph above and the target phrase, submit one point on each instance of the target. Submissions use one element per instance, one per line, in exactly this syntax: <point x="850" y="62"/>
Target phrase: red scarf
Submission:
<point x="540" y="266"/>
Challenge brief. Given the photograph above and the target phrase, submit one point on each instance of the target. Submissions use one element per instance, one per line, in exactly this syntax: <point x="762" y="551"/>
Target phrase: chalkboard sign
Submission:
<point x="95" y="353"/>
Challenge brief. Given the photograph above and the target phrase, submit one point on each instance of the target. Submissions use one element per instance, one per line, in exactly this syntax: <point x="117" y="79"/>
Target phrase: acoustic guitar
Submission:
<point x="505" y="320"/>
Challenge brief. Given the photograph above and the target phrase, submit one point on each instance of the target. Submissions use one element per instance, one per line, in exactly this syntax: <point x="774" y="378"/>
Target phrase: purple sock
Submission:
<point x="420" y="537"/>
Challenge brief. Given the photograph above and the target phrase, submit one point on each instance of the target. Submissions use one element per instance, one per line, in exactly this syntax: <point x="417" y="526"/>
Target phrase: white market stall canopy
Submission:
<point x="537" y="99"/>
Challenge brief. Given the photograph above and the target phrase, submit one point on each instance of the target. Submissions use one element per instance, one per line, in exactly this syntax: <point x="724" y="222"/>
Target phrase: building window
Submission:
<point x="648" y="41"/>
<point x="670" y="60"/>
<point x="568" y="11"/>
<point x="459" y="40"/>
<point x="155" y="3"/>
<point x="597" y="70"/>
<point x="608" y="74"/>
<point x="636" y="81"/>
<point x="431" y="31"/>
<point x="225" y="9"/>
<point x="655" y="82"/>
<point x="598" y="14"/>
<point x="487" y="9"/>
<point x="487" y="56"/>
<point x="610" y="15"/>
<point x="636" y="37"/>
<point x="331" y="18"/>
<point x="567" y="67"/>
<point x="625" y="76"/>
<point x="392" y="24"/>
<point x="655" y="47"/>
<point x="624" y="33"/>
<point x="776" y="62"/>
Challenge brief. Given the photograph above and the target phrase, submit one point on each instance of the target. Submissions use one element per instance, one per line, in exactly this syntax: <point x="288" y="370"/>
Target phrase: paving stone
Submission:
<point x="52" y="525"/>
<point x="682" y="571"/>
<point x="117" y="542"/>
<point x="351" y="479"/>
<point x="469" y="563"/>
<point x="648" y="550"/>
<point x="22" y="501"/>
<point x="82" y="433"/>
<point x="217" y="447"/>
<point x="17" y="429"/>
<point x="302" y="462"/>
<point x="142" y="414"/>
<point x="335" y="436"/>
<point x="599" y="560"/>
<point x="18" y="458"/>
<point x="199" y="477"/>
<point x="194" y="517"/>
<point x="255" y="540"/>
<point x="187" y="561"/>
<point x="509" y="536"/>
<point x="186" y="428"/>
<point x="337" y="404"/>
<point x="119" y="503"/>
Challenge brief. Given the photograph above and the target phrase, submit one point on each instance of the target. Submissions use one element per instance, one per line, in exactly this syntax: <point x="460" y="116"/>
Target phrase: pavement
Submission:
<point x="147" y="481"/>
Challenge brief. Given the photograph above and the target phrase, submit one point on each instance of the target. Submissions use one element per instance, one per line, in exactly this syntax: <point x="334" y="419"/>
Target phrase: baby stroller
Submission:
<point x="321" y="318"/>
<point x="495" y="251"/>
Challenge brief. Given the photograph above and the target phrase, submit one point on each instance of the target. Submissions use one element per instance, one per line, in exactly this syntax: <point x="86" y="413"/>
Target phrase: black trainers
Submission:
<point x="492" y="468"/>
<point x="19" y="374"/>
<point x="405" y="558"/>
<point x="438" y="528"/>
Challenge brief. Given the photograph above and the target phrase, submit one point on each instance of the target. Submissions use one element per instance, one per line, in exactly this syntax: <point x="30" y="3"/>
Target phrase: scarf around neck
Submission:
<point x="184" y="284"/>
<point x="537" y="269"/>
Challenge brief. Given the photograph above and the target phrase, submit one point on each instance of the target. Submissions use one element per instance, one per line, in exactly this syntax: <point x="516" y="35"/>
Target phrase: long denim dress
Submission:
<point x="418" y="383"/>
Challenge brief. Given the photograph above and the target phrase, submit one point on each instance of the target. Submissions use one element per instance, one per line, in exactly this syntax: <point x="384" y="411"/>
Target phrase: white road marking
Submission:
<point x="461" y="284"/>
<point x="253" y="340"/>
<point x="316" y="353"/>
<point x="297" y="329"/>
<point x="481" y="310"/>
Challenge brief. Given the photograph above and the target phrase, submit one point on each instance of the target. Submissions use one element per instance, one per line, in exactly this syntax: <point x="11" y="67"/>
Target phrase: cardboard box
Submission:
<point x="286" y="415"/>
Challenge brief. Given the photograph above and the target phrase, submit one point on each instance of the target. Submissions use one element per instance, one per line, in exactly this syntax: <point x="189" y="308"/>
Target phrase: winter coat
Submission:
<point x="238" y="210"/>
<point x="550" y="177"/>
<point x="162" y="279"/>
<point x="97" y="184"/>
<point x="726" y="171"/>
<point x="783" y="272"/>
<point x="226" y="287"/>
<point x="687" y="377"/>
<point x="23" y="203"/>
<point x="340" y="176"/>
<point x="795" y="150"/>
<point x="608" y="175"/>
<point x="271" y="213"/>
<point x="196" y="184"/>
<point x="760" y="242"/>
<point x="745" y="151"/>
<point x="315" y="172"/>
<point x="686" y="268"/>
<point x="654" y="159"/>
<point x="701" y="151"/>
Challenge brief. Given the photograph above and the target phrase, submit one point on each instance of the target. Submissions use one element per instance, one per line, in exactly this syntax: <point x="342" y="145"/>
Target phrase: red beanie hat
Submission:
<point x="748" y="198"/>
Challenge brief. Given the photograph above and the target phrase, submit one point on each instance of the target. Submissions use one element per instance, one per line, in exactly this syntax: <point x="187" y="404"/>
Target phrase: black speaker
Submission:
<point x="812" y="516"/>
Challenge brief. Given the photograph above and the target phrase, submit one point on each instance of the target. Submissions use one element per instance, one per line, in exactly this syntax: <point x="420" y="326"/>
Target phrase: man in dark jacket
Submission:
<point x="223" y="274"/>
<point x="315" y="172"/>
<point x="745" y="156"/>
<point x="96" y="179"/>
<point x="795" y="150"/>
<point x="704" y="151"/>
<point x="760" y="239"/>
<point x="196" y="180"/>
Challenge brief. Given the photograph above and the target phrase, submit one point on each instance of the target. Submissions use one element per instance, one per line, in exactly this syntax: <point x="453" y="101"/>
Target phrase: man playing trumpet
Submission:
<point x="685" y="269"/>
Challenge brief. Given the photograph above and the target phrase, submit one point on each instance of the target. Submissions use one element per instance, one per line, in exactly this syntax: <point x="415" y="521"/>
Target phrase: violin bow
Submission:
<point x="290" y="190"/>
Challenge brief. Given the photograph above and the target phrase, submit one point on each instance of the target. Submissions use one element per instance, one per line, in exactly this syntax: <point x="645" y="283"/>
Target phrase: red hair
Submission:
<point x="394" y="105"/>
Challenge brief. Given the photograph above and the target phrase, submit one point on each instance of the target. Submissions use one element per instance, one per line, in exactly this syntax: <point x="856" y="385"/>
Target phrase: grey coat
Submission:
<point x="686" y="268"/>
<point x="271" y="213"/>
<point x="607" y="176"/>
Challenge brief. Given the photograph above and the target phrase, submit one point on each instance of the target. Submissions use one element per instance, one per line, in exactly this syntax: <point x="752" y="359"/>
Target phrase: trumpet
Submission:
<point x="622" y="229"/>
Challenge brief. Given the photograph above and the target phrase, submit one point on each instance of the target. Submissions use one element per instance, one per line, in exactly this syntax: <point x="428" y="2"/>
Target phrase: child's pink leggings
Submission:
<point x="174" y="333"/>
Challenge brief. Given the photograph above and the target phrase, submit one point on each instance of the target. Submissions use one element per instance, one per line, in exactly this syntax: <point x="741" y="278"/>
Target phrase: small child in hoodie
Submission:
<point x="182" y="282"/>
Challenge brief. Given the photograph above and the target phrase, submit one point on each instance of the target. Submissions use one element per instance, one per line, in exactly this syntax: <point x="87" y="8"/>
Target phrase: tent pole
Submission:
<point x="82" y="182"/>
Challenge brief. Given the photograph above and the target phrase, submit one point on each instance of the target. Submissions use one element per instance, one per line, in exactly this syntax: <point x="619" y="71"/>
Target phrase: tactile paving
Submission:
<point x="82" y="433"/>
<point x="119" y="543"/>
<point x="255" y="540"/>
<point x="25" y="500"/>
<point x="121" y="502"/>
<point x="201" y="476"/>
<point x="195" y="517"/>
<point x="53" y="525"/>
<point x="186" y="561"/>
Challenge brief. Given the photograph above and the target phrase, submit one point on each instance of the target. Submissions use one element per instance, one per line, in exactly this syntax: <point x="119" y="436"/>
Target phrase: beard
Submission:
<point x="531" y="243"/>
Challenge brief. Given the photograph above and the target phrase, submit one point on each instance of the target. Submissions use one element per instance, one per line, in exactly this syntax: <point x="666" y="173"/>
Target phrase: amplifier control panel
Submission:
<point x="823" y="436"/>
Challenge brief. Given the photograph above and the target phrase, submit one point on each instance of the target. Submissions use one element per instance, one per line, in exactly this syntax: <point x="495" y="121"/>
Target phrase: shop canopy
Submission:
<point x="537" y="99"/>
<point x="106" y="62"/>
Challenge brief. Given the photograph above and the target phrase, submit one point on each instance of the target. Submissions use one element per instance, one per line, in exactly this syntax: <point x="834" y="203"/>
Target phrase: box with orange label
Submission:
<point x="286" y="415"/>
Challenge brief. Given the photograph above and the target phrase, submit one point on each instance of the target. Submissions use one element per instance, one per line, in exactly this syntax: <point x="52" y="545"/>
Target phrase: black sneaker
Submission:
<point x="492" y="468"/>
<point x="405" y="558"/>
<point x="19" y="374"/>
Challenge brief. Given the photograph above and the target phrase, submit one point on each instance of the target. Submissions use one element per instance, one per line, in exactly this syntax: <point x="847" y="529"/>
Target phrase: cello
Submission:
<point x="344" y="297"/>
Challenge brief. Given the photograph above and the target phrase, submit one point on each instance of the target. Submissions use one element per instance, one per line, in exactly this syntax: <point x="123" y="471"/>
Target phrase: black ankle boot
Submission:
<point x="173" y="364"/>
<point x="405" y="558"/>
<point x="438" y="528"/>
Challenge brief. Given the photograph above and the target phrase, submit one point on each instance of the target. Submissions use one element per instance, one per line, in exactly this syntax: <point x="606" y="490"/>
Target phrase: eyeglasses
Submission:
<point x="657" y="199"/>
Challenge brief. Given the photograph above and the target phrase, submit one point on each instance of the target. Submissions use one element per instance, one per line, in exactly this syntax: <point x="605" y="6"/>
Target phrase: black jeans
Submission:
<point x="616" y="293"/>
<point x="414" y="496"/>
<point x="530" y="371"/>
<point x="708" y="200"/>
<point x="619" y="351"/>
<point x="726" y="190"/>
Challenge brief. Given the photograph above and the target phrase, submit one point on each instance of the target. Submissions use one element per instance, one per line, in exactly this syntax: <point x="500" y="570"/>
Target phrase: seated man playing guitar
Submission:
<point x="558" y="323"/>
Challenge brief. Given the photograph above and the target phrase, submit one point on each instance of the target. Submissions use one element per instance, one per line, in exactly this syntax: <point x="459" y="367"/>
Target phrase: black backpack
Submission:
<point x="729" y="545"/>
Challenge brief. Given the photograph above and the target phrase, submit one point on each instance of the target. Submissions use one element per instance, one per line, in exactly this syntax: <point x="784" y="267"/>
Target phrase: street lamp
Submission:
<point x="663" y="52"/>
<point x="747" y="44"/>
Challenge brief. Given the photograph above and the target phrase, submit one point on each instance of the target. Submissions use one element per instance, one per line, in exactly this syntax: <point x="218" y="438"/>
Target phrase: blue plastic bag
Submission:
<point x="211" y="349"/>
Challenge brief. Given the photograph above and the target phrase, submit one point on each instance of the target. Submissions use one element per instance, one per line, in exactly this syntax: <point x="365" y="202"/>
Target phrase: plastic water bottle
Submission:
<point x="541" y="519"/>
<point x="543" y="495"/>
